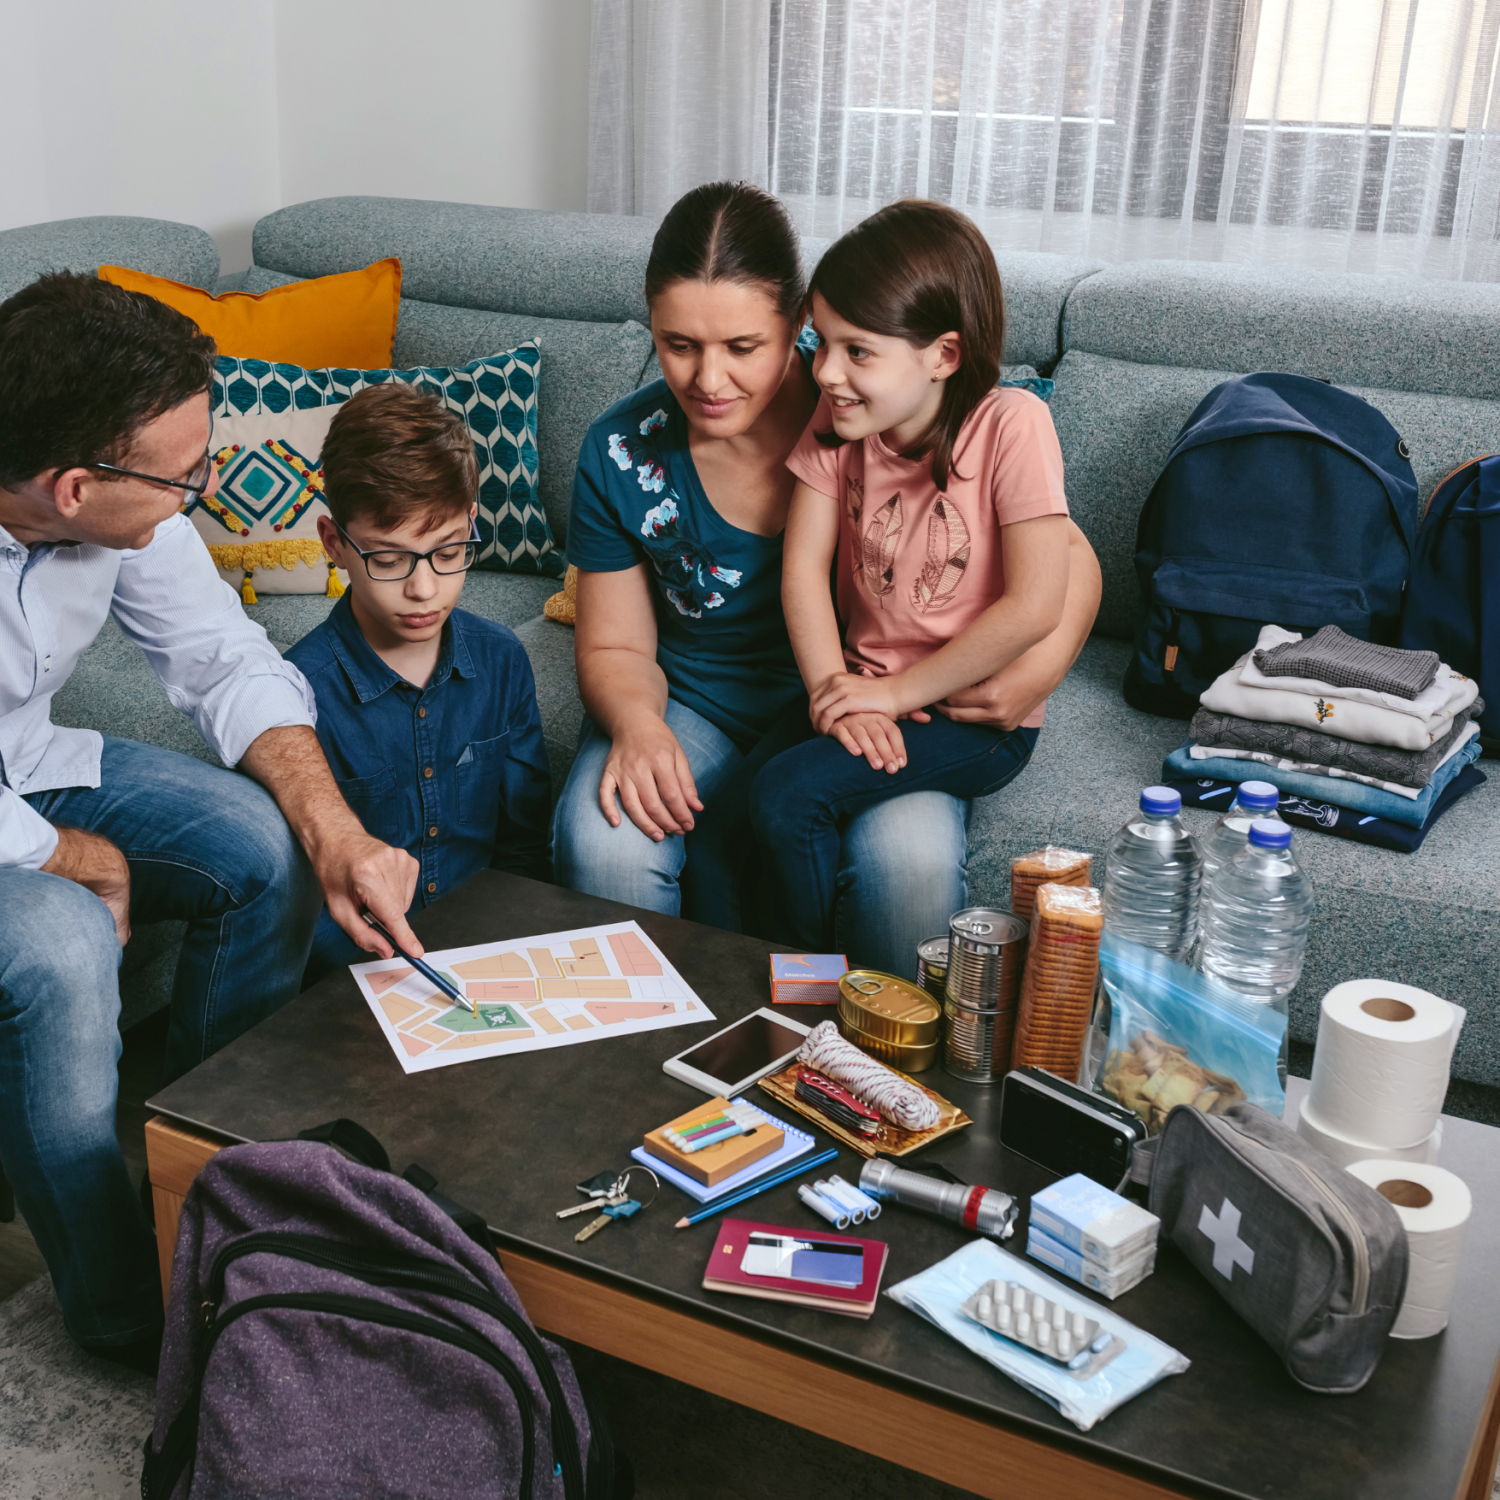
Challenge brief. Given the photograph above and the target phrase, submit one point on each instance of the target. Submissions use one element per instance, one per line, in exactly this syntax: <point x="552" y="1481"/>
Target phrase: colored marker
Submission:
<point x="701" y="1142"/>
<point x="774" y="1180"/>
<point x="425" y="970"/>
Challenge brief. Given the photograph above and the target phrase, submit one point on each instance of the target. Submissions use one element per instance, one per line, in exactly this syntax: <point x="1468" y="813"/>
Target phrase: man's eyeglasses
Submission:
<point x="385" y="565"/>
<point x="194" y="485"/>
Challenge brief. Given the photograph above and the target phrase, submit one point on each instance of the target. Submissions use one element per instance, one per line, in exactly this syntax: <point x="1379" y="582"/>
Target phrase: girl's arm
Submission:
<point x="625" y="693"/>
<point x="1035" y="554"/>
<point x="1009" y="695"/>
<point x="812" y="538"/>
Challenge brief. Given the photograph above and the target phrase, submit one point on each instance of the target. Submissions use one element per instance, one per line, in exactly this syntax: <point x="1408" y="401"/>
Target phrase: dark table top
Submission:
<point x="510" y="1137"/>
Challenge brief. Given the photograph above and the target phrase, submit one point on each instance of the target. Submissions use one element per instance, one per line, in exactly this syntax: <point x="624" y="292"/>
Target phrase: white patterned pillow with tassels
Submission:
<point x="270" y="423"/>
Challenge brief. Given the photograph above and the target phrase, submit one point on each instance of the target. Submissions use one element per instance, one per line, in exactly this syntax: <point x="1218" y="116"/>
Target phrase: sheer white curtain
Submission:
<point x="1342" y="134"/>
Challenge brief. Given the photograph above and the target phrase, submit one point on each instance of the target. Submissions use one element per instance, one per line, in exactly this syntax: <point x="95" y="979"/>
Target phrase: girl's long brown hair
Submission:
<point x="917" y="270"/>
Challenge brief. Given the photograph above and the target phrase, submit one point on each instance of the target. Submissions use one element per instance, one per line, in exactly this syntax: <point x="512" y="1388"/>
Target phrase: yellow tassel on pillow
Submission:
<point x="335" y="588"/>
<point x="247" y="589"/>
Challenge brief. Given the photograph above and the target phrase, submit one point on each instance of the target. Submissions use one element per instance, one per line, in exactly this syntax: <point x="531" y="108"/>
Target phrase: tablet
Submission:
<point x="732" y="1059"/>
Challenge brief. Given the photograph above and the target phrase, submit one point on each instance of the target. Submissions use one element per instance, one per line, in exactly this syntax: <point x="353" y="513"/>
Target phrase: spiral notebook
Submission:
<point x="797" y="1143"/>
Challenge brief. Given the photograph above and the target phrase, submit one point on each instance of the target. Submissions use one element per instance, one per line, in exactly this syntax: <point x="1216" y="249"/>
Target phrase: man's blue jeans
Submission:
<point x="205" y="846"/>
<point x="903" y="866"/>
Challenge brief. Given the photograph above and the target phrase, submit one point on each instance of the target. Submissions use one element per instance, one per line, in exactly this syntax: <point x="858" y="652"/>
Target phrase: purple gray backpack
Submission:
<point x="337" y="1330"/>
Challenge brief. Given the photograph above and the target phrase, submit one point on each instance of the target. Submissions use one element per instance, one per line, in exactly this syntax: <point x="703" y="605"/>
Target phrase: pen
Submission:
<point x="774" y="1180"/>
<point x="425" y="970"/>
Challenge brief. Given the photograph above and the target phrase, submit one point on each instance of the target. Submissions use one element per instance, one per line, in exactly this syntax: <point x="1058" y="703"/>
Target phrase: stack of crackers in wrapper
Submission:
<point x="1062" y="963"/>
<point x="1049" y="866"/>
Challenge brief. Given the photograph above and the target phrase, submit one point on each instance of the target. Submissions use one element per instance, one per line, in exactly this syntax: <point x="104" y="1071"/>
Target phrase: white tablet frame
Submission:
<point x="723" y="1087"/>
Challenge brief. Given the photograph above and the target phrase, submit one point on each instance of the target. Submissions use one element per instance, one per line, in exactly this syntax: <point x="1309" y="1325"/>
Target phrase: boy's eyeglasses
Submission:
<point x="387" y="566"/>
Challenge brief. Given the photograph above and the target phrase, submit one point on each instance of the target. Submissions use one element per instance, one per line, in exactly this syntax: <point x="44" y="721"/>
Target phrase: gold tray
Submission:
<point x="889" y="1140"/>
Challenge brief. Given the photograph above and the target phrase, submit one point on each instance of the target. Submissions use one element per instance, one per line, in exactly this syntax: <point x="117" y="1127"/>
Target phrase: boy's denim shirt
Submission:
<point x="454" y="773"/>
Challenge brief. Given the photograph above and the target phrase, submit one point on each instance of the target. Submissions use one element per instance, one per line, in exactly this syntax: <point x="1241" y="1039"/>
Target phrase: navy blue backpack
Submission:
<point x="1453" y="599"/>
<point x="1283" y="501"/>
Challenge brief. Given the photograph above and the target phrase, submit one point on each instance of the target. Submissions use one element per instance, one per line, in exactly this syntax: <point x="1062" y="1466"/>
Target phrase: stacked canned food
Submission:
<point x="932" y="966"/>
<point x="889" y="1018"/>
<point x="986" y="957"/>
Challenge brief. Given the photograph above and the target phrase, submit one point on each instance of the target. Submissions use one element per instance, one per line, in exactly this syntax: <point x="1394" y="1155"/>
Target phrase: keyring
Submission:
<point x="630" y="1171"/>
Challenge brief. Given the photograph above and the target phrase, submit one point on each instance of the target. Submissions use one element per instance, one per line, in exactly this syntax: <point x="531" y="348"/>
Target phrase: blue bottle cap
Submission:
<point x="1270" y="833"/>
<point x="1258" y="794"/>
<point x="1161" y="800"/>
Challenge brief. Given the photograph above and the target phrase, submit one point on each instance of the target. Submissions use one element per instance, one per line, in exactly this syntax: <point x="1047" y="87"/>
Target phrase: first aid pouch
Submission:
<point x="1313" y="1259"/>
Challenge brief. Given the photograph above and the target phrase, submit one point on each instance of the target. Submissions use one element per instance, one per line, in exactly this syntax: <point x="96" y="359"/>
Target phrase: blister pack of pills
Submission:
<point x="1064" y="1334"/>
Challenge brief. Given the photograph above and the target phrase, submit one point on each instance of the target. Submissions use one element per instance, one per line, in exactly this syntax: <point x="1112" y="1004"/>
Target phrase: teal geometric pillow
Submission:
<point x="269" y="424"/>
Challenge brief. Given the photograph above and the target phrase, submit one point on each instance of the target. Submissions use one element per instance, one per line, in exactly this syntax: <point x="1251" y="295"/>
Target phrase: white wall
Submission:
<point x="216" y="114"/>
<point x="473" y="101"/>
<point x="164" y="108"/>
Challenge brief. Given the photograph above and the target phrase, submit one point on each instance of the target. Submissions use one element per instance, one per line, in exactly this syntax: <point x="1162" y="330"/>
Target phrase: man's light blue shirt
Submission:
<point x="216" y="665"/>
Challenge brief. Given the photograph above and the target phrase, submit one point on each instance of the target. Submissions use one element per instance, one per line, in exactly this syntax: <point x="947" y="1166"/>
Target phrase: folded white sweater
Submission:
<point x="1336" y="713"/>
<point x="1431" y="701"/>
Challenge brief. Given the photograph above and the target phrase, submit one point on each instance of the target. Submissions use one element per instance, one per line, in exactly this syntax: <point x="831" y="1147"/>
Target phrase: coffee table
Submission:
<point x="509" y="1137"/>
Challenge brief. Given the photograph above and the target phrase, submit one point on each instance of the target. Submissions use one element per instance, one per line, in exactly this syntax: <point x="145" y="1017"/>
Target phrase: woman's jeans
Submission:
<point x="207" y="847"/>
<point x="803" y="799"/>
<point x="902" y="865"/>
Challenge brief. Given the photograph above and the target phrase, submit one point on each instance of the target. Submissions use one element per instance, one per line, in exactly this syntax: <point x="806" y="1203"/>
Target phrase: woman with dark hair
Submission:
<point x="684" y="663"/>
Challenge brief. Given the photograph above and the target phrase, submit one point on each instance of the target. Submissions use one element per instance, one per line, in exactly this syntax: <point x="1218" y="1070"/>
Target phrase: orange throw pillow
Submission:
<point x="347" y="321"/>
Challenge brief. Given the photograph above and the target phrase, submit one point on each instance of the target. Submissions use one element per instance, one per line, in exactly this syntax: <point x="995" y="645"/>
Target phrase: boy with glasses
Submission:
<point x="427" y="713"/>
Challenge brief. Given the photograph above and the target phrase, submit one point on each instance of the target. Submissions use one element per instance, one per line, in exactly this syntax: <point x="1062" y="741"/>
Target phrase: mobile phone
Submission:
<point x="1066" y="1129"/>
<point x="732" y="1059"/>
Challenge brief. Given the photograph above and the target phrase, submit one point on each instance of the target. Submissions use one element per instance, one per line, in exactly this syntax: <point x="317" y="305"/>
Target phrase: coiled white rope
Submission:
<point x="902" y="1103"/>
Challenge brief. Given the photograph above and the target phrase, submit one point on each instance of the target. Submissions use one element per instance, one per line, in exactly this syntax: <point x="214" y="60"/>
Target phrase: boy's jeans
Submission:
<point x="802" y="800"/>
<point x="206" y="846"/>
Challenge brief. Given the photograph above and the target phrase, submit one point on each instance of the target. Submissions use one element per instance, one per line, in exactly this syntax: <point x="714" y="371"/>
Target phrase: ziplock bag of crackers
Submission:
<point x="1179" y="1037"/>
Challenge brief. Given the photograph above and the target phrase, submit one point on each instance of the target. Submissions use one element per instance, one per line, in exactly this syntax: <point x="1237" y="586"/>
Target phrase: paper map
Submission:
<point x="531" y="993"/>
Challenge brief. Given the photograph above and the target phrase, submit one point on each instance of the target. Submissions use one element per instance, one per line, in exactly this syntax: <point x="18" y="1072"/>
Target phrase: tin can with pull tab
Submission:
<point x="986" y="957"/>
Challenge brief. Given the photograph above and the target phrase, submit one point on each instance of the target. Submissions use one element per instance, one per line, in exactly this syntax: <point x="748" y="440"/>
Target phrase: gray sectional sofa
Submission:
<point x="1132" y="349"/>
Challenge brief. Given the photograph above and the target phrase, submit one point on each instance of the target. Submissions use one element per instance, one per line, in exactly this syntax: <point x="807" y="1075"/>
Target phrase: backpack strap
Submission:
<point x="354" y="1139"/>
<point x="466" y="1219"/>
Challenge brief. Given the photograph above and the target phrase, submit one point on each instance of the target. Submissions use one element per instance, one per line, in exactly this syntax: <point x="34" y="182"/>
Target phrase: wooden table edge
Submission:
<point x="836" y="1403"/>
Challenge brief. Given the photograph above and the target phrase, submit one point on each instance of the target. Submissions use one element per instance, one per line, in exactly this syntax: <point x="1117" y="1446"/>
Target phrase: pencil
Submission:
<point x="774" y="1180"/>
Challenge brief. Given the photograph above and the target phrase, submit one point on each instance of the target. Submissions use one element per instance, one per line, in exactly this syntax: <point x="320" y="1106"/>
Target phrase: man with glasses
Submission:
<point x="104" y="426"/>
<point x="427" y="714"/>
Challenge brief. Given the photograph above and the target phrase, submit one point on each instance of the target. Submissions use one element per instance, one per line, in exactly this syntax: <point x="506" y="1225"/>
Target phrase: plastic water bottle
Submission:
<point x="1256" y="916"/>
<point x="1252" y="800"/>
<point x="1152" y="877"/>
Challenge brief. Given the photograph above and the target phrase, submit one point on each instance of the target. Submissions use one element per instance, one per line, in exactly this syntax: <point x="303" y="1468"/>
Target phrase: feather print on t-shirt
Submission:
<point x="947" y="558"/>
<point x="877" y="550"/>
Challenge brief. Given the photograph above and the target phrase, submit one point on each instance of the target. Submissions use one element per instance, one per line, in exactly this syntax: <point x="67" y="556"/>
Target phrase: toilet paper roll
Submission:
<point x="1380" y="1070"/>
<point x="1434" y="1205"/>
<point x="1346" y="1151"/>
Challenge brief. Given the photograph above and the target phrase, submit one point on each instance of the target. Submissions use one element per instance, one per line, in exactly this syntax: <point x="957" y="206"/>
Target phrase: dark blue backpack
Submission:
<point x="1453" y="599"/>
<point x="1283" y="501"/>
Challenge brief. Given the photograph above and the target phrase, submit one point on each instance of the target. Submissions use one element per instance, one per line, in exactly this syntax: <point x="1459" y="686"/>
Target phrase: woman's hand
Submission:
<point x="647" y="768"/>
<point x="843" y="693"/>
<point x="873" y="735"/>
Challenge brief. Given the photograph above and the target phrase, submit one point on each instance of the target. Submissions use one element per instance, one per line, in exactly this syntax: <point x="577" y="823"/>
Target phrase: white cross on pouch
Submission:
<point x="1223" y="1231"/>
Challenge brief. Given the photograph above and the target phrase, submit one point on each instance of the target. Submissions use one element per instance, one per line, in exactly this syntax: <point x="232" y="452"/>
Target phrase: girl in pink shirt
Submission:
<point x="936" y="499"/>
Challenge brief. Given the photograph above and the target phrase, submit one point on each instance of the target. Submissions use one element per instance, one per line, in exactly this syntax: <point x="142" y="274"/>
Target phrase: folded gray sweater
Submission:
<point x="1412" y="768"/>
<point x="1342" y="661"/>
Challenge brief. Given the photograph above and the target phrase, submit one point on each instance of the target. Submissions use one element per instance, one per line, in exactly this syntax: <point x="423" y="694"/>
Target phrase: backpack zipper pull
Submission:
<point x="209" y="1309"/>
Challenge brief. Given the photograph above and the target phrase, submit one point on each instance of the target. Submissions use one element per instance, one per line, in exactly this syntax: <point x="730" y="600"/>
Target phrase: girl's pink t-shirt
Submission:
<point x="915" y="567"/>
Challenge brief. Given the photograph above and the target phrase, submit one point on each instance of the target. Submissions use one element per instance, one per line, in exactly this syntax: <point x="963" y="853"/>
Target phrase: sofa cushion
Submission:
<point x="1430" y="919"/>
<point x="155" y="245"/>
<point x="552" y="265"/>
<point x="586" y="368"/>
<point x="1116" y="420"/>
<point x="1397" y="333"/>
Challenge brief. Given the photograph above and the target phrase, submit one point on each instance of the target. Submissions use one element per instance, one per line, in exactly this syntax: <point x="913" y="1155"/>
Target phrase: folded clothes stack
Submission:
<point x="1383" y="733"/>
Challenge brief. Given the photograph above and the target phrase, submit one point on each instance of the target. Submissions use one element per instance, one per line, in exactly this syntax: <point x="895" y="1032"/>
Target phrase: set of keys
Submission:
<point x="609" y="1197"/>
